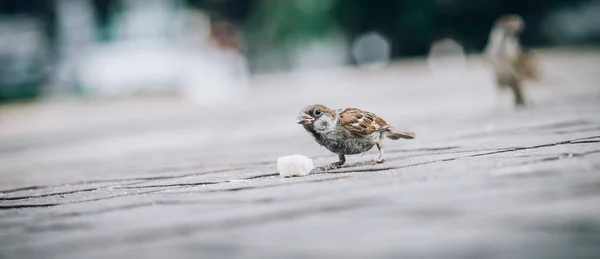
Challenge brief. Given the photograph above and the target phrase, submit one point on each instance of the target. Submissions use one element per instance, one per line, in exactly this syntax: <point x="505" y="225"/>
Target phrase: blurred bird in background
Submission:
<point x="511" y="63"/>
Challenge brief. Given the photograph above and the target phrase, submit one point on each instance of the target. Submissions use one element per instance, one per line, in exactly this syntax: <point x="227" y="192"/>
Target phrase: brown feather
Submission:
<point x="397" y="134"/>
<point x="361" y="122"/>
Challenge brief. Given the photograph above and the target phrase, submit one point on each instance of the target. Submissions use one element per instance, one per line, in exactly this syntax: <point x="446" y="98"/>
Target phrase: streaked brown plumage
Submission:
<point x="348" y="131"/>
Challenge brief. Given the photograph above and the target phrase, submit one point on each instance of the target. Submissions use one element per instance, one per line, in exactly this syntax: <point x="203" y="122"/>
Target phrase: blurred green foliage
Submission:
<point x="295" y="21"/>
<point x="410" y="25"/>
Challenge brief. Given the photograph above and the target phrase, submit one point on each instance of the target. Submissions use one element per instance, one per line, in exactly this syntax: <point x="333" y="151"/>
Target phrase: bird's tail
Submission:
<point x="398" y="134"/>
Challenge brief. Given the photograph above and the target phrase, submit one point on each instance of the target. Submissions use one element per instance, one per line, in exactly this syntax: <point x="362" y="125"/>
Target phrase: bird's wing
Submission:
<point x="526" y="63"/>
<point x="361" y="123"/>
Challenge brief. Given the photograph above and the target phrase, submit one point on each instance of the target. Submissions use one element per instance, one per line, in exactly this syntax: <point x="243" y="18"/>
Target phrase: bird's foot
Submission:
<point x="330" y="167"/>
<point x="379" y="161"/>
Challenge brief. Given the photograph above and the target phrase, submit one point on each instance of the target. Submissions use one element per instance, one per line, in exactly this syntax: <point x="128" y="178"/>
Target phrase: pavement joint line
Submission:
<point x="179" y="186"/>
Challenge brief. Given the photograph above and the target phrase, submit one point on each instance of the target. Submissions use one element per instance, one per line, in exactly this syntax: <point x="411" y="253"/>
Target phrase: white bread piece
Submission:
<point x="296" y="165"/>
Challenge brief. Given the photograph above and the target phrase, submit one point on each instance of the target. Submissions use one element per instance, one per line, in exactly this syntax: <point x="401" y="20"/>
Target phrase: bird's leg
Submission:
<point x="337" y="164"/>
<point x="380" y="160"/>
<point x="499" y="90"/>
<point x="518" y="93"/>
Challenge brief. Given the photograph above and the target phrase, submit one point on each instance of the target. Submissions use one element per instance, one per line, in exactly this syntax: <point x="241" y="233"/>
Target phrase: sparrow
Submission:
<point x="511" y="64"/>
<point x="348" y="131"/>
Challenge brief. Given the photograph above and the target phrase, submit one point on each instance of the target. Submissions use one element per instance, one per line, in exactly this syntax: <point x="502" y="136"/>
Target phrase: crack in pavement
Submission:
<point x="338" y="171"/>
<point x="153" y="178"/>
<point x="157" y="178"/>
<point x="189" y="229"/>
<point x="26" y="206"/>
<point x="7" y="207"/>
<point x="170" y="203"/>
<point x="505" y="150"/>
<point x="131" y="181"/>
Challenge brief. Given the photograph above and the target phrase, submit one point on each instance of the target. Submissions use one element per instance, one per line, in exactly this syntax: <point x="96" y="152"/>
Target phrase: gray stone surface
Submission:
<point x="157" y="178"/>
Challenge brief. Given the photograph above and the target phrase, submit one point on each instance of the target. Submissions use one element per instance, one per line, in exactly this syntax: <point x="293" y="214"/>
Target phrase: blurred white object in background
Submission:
<point x="296" y="165"/>
<point x="75" y="34"/>
<point x="161" y="48"/>
<point x="371" y="50"/>
<point x="146" y="20"/>
<point x="326" y="52"/>
<point x="330" y="51"/>
<point x="126" y="68"/>
<point x="446" y="57"/>
<point x="214" y="70"/>
<point x="142" y="56"/>
<point x="213" y="78"/>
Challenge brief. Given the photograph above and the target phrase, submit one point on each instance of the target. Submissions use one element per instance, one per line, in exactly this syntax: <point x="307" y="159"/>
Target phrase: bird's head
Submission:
<point x="511" y="23"/>
<point x="312" y="113"/>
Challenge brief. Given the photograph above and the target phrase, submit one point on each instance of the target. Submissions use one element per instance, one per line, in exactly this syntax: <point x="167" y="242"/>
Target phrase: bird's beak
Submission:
<point x="304" y="119"/>
<point x="515" y="26"/>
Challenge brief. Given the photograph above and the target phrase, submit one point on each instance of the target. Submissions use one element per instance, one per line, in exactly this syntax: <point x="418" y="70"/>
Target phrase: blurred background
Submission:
<point x="206" y="49"/>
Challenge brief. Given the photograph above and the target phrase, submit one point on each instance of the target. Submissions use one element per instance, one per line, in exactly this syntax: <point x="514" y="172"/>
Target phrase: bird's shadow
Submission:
<point x="325" y="170"/>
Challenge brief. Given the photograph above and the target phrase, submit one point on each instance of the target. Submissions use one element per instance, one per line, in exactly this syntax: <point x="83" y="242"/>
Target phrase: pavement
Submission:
<point x="155" y="177"/>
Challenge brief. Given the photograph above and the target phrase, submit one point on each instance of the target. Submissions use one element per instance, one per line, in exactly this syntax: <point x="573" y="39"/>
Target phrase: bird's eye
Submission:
<point x="318" y="112"/>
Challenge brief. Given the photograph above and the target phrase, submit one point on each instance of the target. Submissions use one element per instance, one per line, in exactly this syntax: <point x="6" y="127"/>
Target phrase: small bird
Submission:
<point x="510" y="62"/>
<point x="348" y="131"/>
